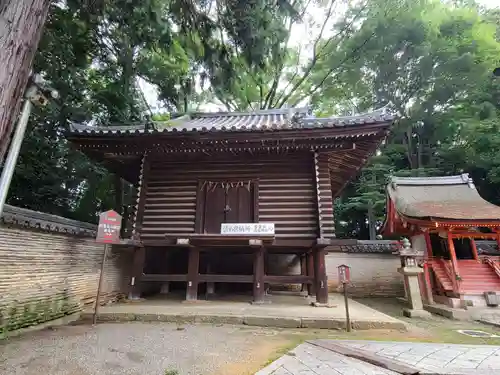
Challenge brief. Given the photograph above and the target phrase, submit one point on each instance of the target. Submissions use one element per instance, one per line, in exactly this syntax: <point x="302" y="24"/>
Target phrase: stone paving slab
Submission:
<point x="282" y="312"/>
<point x="432" y="358"/>
<point x="307" y="359"/>
<point x="492" y="319"/>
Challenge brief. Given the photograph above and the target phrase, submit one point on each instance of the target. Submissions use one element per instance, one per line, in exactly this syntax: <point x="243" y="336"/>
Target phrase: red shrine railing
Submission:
<point x="493" y="264"/>
<point x="452" y="274"/>
<point x="441" y="266"/>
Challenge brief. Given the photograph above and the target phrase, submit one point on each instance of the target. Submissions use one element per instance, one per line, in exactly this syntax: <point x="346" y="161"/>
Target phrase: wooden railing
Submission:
<point x="493" y="264"/>
<point x="451" y="273"/>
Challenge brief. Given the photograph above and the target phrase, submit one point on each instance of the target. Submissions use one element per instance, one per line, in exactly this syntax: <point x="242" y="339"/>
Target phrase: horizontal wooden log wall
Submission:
<point x="287" y="193"/>
<point x="42" y="271"/>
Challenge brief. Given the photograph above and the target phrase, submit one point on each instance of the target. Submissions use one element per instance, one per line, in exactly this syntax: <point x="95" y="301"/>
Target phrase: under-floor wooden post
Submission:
<point x="258" y="276"/>
<point x="303" y="270"/>
<point x="320" y="276"/>
<point x="210" y="285"/>
<point x="137" y="270"/>
<point x="193" y="271"/>
<point x="311" y="289"/>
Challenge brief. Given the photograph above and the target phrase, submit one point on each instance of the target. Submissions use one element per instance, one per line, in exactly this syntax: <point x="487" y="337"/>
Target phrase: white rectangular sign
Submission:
<point x="251" y="229"/>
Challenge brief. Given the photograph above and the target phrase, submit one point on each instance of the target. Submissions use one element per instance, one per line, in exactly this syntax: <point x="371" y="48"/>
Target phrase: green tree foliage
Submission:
<point x="96" y="56"/>
<point x="428" y="60"/>
<point x="434" y="69"/>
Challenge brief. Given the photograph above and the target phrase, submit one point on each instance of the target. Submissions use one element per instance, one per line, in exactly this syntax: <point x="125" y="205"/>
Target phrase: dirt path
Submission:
<point x="152" y="348"/>
<point x="142" y="348"/>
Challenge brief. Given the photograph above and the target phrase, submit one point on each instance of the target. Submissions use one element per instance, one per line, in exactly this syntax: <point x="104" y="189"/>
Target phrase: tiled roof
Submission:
<point x="372" y="246"/>
<point x="487" y="247"/>
<point x="452" y="198"/>
<point x="39" y="220"/>
<point x="272" y="119"/>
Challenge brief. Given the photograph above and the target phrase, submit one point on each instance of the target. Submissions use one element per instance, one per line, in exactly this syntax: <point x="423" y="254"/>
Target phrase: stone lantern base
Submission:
<point x="412" y="313"/>
<point x="413" y="296"/>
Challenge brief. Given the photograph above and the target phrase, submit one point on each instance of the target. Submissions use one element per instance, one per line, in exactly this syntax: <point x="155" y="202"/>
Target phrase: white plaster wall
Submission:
<point x="371" y="274"/>
<point x="418" y="243"/>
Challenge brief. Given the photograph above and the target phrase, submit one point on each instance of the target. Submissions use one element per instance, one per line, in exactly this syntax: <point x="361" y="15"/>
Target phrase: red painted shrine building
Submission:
<point x="202" y="171"/>
<point x="458" y="231"/>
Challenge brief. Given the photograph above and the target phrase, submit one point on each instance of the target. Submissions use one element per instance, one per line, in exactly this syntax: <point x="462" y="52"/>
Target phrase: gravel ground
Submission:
<point x="139" y="349"/>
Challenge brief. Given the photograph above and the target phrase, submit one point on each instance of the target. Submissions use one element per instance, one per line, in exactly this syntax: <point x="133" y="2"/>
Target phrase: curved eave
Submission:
<point x="236" y="123"/>
<point x="406" y="224"/>
<point x="297" y="133"/>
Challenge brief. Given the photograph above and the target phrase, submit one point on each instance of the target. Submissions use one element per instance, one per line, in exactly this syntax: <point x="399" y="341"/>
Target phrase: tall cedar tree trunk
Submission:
<point x="21" y="25"/>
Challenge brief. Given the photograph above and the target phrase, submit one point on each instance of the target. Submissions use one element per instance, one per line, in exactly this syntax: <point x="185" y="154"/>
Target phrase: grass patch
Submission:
<point x="438" y="329"/>
<point x="292" y="343"/>
<point x="171" y="372"/>
<point x="437" y="332"/>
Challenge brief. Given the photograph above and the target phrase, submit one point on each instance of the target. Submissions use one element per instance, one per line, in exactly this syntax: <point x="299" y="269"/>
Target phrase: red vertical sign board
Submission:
<point x="108" y="231"/>
<point x="344" y="274"/>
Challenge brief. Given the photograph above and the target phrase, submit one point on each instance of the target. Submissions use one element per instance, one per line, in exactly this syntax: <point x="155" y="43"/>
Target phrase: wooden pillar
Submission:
<point x="428" y="245"/>
<point x="258" y="276"/>
<point x="137" y="270"/>
<point x="454" y="263"/>
<point x="210" y="285"/>
<point x="303" y="270"/>
<point x="311" y="290"/>
<point x="193" y="271"/>
<point x="428" y="284"/>
<point x="320" y="276"/>
<point x="427" y="274"/>
<point x="474" y="249"/>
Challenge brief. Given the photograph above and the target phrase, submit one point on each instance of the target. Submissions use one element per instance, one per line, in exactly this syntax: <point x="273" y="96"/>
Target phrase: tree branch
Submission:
<point x="320" y="54"/>
<point x="331" y="70"/>
<point x="295" y="74"/>
<point x="314" y="60"/>
<point x="279" y="71"/>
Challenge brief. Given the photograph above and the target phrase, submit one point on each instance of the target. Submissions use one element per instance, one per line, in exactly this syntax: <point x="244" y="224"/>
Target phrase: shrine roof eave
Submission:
<point x="153" y="139"/>
<point x="219" y="124"/>
<point x="406" y="222"/>
<point x="437" y="202"/>
<point x="350" y="139"/>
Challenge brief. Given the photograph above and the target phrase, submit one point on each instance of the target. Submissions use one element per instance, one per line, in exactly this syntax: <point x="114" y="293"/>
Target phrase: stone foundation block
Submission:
<point x="217" y="319"/>
<point x="269" y="321"/>
<point x="411" y="313"/>
<point x="322" y="323"/>
<point x="365" y="325"/>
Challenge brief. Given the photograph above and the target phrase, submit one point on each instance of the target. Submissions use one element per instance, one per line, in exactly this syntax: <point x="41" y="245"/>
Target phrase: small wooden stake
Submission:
<point x="347" y="317"/>
<point x="99" y="287"/>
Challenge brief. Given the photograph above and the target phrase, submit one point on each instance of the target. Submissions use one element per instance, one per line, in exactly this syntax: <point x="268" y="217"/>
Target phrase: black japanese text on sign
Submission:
<point x="110" y="223"/>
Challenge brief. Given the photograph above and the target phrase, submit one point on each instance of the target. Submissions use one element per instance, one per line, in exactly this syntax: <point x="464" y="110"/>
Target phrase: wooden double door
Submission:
<point x="228" y="202"/>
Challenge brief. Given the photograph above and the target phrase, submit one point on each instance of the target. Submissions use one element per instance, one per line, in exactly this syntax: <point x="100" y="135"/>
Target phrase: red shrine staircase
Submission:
<point x="475" y="277"/>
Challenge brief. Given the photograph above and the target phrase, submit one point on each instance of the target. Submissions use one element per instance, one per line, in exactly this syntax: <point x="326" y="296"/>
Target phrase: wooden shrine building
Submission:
<point x="456" y="228"/>
<point x="272" y="174"/>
